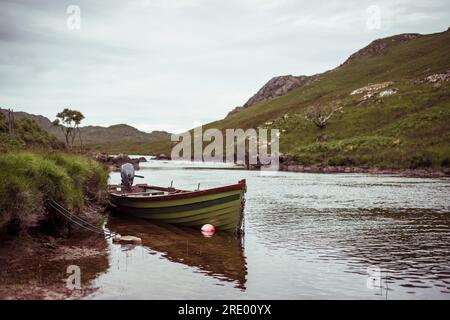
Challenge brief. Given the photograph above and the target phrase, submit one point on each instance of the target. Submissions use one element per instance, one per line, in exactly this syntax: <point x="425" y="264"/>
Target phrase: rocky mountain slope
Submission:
<point x="392" y="103"/>
<point x="276" y="87"/>
<point x="379" y="46"/>
<point x="393" y="98"/>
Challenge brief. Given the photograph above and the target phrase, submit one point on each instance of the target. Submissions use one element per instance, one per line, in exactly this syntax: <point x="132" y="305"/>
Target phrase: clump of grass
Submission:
<point x="88" y="176"/>
<point x="345" y="152"/>
<point x="27" y="180"/>
<point x="349" y="145"/>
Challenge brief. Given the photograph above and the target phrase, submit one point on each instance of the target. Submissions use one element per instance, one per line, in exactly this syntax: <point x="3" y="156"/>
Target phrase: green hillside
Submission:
<point x="28" y="134"/>
<point x="97" y="137"/>
<point x="109" y="139"/>
<point x="410" y="128"/>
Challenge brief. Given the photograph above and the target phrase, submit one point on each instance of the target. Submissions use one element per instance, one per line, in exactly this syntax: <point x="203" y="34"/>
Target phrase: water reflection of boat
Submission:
<point x="221" y="256"/>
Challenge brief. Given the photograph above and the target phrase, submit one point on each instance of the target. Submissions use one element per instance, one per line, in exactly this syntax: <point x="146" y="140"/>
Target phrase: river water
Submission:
<point x="308" y="236"/>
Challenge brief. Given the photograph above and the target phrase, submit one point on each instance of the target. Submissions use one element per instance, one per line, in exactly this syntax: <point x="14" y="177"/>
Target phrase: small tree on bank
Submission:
<point x="69" y="122"/>
<point x="319" y="115"/>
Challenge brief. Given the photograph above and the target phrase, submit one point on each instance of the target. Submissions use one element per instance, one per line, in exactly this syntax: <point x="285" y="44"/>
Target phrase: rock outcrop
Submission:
<point x="377" y="47"/>
<point x="162" y="156"/>
<point x="372" y="87"/>
<point x="435" y="78"/>
<point x="115" y="162"/>
<point x="235" y="110"/>
<point x="375" y="91"/>
<point x="277" y="86"/>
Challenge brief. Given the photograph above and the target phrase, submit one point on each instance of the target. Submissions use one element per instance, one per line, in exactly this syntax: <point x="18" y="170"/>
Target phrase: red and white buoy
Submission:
<point x="208" y="230"/>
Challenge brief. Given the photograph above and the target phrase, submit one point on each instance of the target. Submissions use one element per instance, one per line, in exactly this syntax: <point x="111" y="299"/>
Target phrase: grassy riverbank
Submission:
<point x="28" y="179"/>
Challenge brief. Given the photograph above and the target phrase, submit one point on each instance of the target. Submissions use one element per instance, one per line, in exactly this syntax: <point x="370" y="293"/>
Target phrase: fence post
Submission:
<point x="11" y="122"/>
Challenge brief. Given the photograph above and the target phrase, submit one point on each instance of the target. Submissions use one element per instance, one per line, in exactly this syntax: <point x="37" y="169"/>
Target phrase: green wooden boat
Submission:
<point x="222" y="207"/>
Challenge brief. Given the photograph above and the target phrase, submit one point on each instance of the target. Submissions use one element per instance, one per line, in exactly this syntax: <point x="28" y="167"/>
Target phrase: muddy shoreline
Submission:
<point x="34" y="262"/>
<point x="292" y="166"/>
<point x="35" y="266"/>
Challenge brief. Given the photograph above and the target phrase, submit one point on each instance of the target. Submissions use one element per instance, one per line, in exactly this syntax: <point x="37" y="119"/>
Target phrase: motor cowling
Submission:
<point x="127" y="175"/>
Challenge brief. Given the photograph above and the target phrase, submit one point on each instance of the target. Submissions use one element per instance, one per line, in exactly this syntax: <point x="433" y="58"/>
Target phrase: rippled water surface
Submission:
<point x="308" y="236"/>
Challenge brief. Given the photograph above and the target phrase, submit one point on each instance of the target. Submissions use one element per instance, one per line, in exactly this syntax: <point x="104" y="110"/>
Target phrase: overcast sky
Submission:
<point x="172" y="65"/>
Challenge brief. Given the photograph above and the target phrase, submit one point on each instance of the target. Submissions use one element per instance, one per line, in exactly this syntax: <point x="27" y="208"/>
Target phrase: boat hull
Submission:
<point x="221" y="207"/>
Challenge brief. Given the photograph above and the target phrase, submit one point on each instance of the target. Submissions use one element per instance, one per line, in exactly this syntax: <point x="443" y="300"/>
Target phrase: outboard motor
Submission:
<point x="127" y="174"/>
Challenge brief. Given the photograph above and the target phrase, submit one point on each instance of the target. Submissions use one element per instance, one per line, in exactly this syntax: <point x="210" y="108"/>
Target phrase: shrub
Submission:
<point x="8" y="143"/>
<point x="341" y="161"/>
<point x="445" y="162"/>
<point x="31" y="134"/>
<point x="28" y="135"/>
<point x="3" y="123"/>
<point x="421" y="160"/>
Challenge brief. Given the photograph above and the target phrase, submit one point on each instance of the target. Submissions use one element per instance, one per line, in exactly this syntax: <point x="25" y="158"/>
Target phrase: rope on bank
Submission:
<point x="77" y="220"/>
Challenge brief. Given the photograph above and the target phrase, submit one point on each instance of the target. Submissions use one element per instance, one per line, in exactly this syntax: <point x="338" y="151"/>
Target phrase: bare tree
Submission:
<point x="319" y="115"/>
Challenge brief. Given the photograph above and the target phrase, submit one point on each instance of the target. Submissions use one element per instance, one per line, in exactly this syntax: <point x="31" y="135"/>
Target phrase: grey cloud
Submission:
<point x="175" y="63"/>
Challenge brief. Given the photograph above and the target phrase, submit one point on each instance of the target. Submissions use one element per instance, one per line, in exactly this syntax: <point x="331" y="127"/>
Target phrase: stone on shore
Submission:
<point x="162" y="156"/>
<point x="115" y="162"/>
<point x="127" y="240"/>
